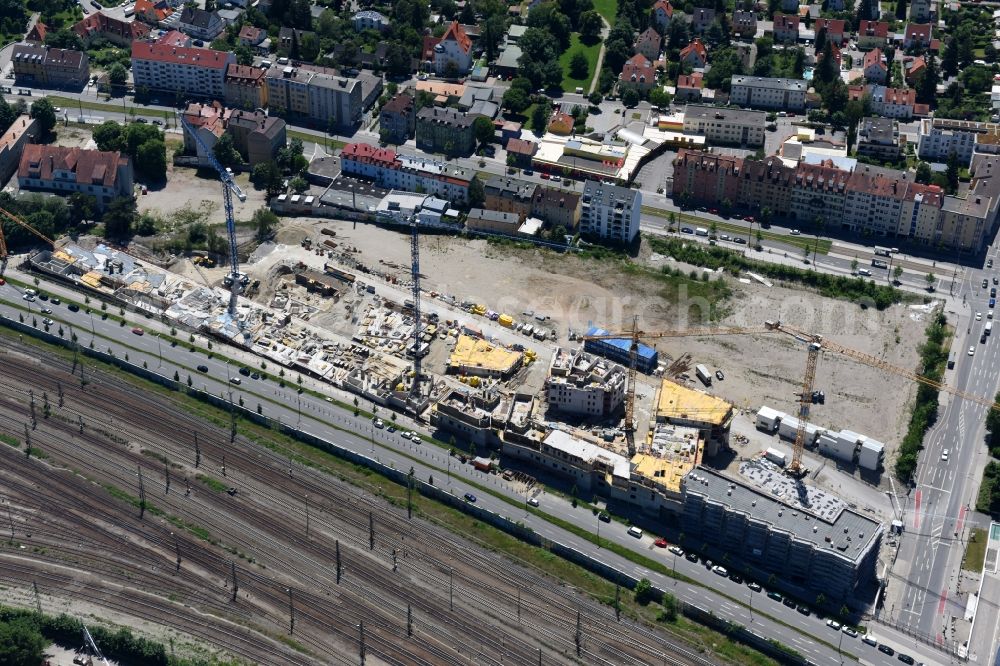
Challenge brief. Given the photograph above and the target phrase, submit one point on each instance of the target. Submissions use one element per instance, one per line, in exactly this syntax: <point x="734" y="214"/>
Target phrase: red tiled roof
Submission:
<point x="873" y="29"/>
<point x="37" y="33"/>
<point x="693" y="80"/>
<point x="252" y="34"/>
<point x="695" y="47"/>
<point x="245" y="74"/>
<point x="364" y="152"/>
<point x="210" y="116"/>
<point x="429" y="44"/>
<point x="933" y="195"/>
<point x="786" y="22"/>
<point x="401" y="103"/>
<point x="456" y="33"/>
<point x="180" y="55"/>
<point x="638" y="66"/>
<point x="874" y="57"/>
<point x="159" y="10"/>
<point x="665" y="6"/>
<point x="833" y="26"/>
<point x="821" y="177"/>
<point x="903" y="96"/>
<point x="918" y="31"/>
<point x="92" y="167"/>
<point x="174" y="38"/>
<point x="100" y="24"/>
<point x="521" y="147"/>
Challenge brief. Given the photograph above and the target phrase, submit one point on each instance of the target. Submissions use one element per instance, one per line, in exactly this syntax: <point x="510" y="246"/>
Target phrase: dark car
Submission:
<point x="141" y="120"/>
<point x="691" y="557"/>
<point x="55" y="301"/>
<point x="687" y="230"/>
<point x="905" y="658"/>
<point x="803" y="609"/>
<point x="44" y="297"/>
<point x="986" y="283"/>
<point x="245" y="371"/>
<point x="202" y="368"/>
<point x="469" y="497"/>
<point x="882" y="647"/>
<point x="789" y="602"/>
<point x="740" y="240"/>
<point x="736" y="578"/>
<point x="774" y="595"/>
<point x="719" y="375"/>
<point x="255" y="376"/>
<point x="73" y="307"/>
<point x="604" y="517"/>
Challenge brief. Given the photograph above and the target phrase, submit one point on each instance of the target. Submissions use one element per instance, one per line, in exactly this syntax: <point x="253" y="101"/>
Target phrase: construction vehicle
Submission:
<point x="234" y="280"/>
<point x="3" y="240"/>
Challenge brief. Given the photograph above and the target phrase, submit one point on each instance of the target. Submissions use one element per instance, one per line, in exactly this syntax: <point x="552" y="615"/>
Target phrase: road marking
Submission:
<point x="940" y="490"/>
<point x="943" y="600"/>
<point x="961" y="521"/>
<point x="916" y="510"/>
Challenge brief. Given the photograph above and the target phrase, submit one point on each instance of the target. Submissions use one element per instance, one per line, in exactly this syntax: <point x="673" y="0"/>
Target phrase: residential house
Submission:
<point x="174" y="38"/>
<point x="101" y="26"/>
<point x="789" y="6"/>
<point x="36" y="36"/>
<point x="522" y="151"/>
<point x="557" y="208"/>
<point x="493" y="221"/>
<point x="878" y="138"/>
<point x="702" y="19"/>
<point x="888" y="102"/>
<point x="726" y="125"/>
<point x="873" y="34"/>
<point x="920" y="11"/>
<point x="744" y="24"/>
<point x="917" y="36"/>
<point x="257" y="136"/>
<point x="403" y="172"/>
<point x="818" y="194"/>
<point x="836" y="30"/>
<point x="610" y="212"/>
<point x="290" y="39"/>
<point x="509" y="195"/>
<point x="200" y="24"/>
<point x="648" y="44"/>
<point x="913" y="69"/>
<point x="689" y="87"/>
<point x="639" y="72"/>
<point x="443" y="130"/>
<point x="759" y="92"/>
<point x="561" y="123"/>
<point x="252" y="36"/>
<point x="875" y="67"/>
<point x="152" y="12"/>
<point x="315" y="93"/>
<point x="786" y="28"/>
<point x="397" y="119"/>
<point x="180" y="70"/>
<point x="203" y="126"/>
<point x="695" y="55"/>
<point x="103" y="175"/>
<point x="453" y="54"/>
<point x="662" y="13"/>
<point x="46" y="67"/>
<point x="245" y="87"/>
<point x="370" y="20"/>
<point x="22" y="131"/>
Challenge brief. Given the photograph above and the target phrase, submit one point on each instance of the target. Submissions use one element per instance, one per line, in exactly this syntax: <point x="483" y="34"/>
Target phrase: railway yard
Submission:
<point x="314" y="558"/>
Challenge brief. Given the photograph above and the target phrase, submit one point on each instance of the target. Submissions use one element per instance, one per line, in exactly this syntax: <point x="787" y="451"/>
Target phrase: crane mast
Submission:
<point x="234" y="280"/>
<point x="3" y="240"/>
<point x="415" y="391"/>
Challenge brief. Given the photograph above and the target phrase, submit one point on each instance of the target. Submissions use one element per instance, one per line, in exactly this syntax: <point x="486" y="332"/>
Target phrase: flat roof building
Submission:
<point x="722" y="125"/>
<point x="617" y="349"/>
<point x="761" y="92"/>
<point x="584" y="384"/>
<point x="480" y="358"/>
<point x="683" y="406"/>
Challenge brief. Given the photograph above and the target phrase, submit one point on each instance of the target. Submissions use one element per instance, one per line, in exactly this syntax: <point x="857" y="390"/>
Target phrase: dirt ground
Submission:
<point x="185" y="188"/>
<point x="759" y="369"/>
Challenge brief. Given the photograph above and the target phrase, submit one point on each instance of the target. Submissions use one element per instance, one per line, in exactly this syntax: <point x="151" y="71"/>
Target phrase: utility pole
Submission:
<point x="223" y="465"/>
<point x="197" y="451"/>
<point x="10" y="519"/>
<point x="451" y="589"/>
<point x="579" y="635"/>
<point x="59" y="392"/>
<point x="27" y="441"/>
<point x="307" y="516"/>
<point x="394" y="559"/>
<point x="166" y="471"/>
<point x="79" y="419"/>
<point x="371" y="531"/>
<point x="519" y="604"/>
<point x="409" y="493"/>
<point x="236" y="587"/>
<point x="409" y="620"/>
<point x="336" y="546"/>
<point x="291" y="613"/>
<point x="142" y="495"/>
<point x="38" y="599"/>
<point x="618" y="604"/>
<point x="177" y="547"/>
<point x="361" y="630"/>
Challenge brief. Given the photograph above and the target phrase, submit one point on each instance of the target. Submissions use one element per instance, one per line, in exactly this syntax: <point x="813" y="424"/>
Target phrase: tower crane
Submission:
<point x="415" y="391"/>
<point x="89" y="640"/>
<point x="3" y="240"/>
<point x="235" y="280"/>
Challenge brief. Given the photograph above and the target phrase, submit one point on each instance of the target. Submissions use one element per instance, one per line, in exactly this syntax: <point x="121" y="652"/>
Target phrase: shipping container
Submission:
<point x="703" y="374"/>
<point x="768" y="420"/>
<point x="775" y="456"/>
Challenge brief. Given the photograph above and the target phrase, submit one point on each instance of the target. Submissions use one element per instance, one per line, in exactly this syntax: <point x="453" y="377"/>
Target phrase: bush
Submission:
<point x="989" y="492"/>
<point x="643" y="591"/>
<point x="933" y="356"/>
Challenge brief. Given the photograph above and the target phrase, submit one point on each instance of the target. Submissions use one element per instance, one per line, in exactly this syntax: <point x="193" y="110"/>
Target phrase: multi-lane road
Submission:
<point x="324" y="419"/>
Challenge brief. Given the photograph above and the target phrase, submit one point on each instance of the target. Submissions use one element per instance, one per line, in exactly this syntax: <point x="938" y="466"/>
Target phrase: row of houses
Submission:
<point x="257" y="136"/>
<point x="865" y="199"/>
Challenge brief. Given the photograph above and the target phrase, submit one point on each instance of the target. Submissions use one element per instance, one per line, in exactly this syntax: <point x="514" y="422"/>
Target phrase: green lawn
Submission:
<point x="312" y="138"/>
<point x="975" y="551"/>
<point x="569" y="84"/>
<point x="608" y="9"/>
<point x="112" y="107"/>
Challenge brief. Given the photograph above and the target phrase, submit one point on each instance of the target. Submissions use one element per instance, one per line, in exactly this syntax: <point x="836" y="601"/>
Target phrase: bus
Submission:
<point x="883" y="251"/>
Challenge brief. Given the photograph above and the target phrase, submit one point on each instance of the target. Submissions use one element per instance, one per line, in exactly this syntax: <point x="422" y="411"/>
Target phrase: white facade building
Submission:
<point x="584" y="384"/>
<point x="759" y="92"/>
<point x="181" y="70"/>
<point x="610" y="212"/>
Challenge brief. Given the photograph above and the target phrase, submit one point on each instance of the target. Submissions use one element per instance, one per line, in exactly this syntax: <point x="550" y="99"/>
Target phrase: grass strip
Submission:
<point x="975" y="551"/>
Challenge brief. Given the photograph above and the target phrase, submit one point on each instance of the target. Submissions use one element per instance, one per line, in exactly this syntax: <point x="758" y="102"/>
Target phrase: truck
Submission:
<point x="703" y="374"/>
<point x="701" y="231"/>
<point x="775" y="456"/>
<point x="988" y="328"/>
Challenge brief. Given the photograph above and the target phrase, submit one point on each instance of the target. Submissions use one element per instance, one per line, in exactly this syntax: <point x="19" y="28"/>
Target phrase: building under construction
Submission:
<point x="683" y="406"/>
<point x="476" y="357"/>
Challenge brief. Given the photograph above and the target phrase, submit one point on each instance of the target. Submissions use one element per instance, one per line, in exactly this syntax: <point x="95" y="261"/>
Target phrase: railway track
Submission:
<point x="428" y="558"/>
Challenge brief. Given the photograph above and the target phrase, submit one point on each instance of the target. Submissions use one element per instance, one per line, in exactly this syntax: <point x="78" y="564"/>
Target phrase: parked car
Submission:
<point x="73" y="307"/>
<point x="676" y="550"/>
<point x="660" y="543"/>
<point x="849" y="631"/>
<point x="202" y="368"/>
<point x="532" y="501"/>
<point x="885" y="649"/>
<point x="245" y="371"/>
<point x="54" y="301"/>
<point x="604" y="517"/>
<point x="47" y="321"/>
<point x="905" y="658"/>
<point x="720" y="570"/>
<point x="803" y="609"/>
<point x="235" y="380"/>
<point x="469" y="497"/>
<point x="719" y="375"/>
<point x="754" y="586"/>
<point x="46" y="310"/>
<point x="833" y="624"/>
<point x="138" y="331"/>
<point x="774" y="595"/>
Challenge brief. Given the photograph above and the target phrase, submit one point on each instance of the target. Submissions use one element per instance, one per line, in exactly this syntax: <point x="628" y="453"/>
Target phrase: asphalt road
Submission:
<point x="936" y="521"/>
<point x="319" y="417"/>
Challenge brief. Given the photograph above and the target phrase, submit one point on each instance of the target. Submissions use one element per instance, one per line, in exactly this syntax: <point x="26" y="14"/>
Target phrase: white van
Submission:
<point x="635" y="531"/>
<point x="265" y="64"/>
<point x="701" y="231"/>
<point x="864" y="272"/>
<point x="30" y="292"/>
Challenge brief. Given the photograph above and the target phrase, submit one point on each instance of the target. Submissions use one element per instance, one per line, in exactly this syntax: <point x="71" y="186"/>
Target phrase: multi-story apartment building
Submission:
<point x="180" y="70"/>
<point x="744" y="24"/>
<point x="444" y="130"/>
<point x="818" y="194"/>
<point x="729" y="126"/>
<point x="700" y="176"/>
<point x="42" y="66"/>
<point x="333" y="101"/>
<point x="759" y="92"/>
<point x="200" y="24"/>
<point x="557" y="208"/>
<point x="103" y="175"/>
<point x="101" y="26"/>
<point x="920" y="11"/>
<point x="832" y="554"/>
<point x="404" y="172"/>
<point x="24" y="130"/>
<point x="453" y="54"/>
<point x="509" y="195"/>
<point x="888" y="102"/>
<point x="766" y="183"/>
<point x="245" y="87"/>
<point x="396" y="119"/>
<point x="939" y="137"/>
<point x="921" y="213"/>
<point x="610" y="212"/>
<point x="584" y="384"/>
<point x="879" y="138"/>
<point x="874" y="200"/>
<point x="256" y="135"/>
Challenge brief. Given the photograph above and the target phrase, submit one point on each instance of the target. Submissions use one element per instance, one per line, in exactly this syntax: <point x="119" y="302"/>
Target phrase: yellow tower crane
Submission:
<point x="3" y="240"/>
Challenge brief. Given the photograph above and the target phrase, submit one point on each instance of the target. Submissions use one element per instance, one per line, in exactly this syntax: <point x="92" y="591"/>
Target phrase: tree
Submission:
<point x="267" y="176"/>
<point x="81" y="207"/>
<point x="595" y="98"/>
<point x="21" y="644"/>
<point x="578" y="65"/>
<point x="483" y="129"/>
<point x="225" y="151"/>
<point x="540" y="116"/>
<point x="109" y="136"/>
<point x="670" y="607"/>
<point x="901" y="10"/>
<point x="64" y="39"/>
<point x="151" y="160"/>
<point x="630" y="95"/>
<point x="309" y="47"/>
<point x="924" y="173"/>
<point x="659" y="97"/>
<point x="244" y="56"/>
<point x="949" y="59"/>
<point x="119" y="218"/>
<point x="43" y="111"/>
<point x="299" y="184"/>
<point x="951" y="174"/>
<point x="643" y="591"/>
<point x="477" y="193"/>
<point x="897" y="273"/>
<point x="931" y="279"/>
<point x="264" y="221"/>
<point x="590" y="27"/>
<point x="927" y="85"/>
<point x="117" y="75"/>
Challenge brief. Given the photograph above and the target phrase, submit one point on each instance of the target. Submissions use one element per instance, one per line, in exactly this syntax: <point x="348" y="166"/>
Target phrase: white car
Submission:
<point x="676" y="550"/>
<point x="849" y="631"/>
<point x="720" y="570"/>
<point x="944" y="455"/>
<point x="379" y="423"/>
<point x="972" y="350"/>
<point x="833" y="624"/>
<point x="979" y="316"/>
<point x="795" y="232"/>
<point x="532" y="501"/>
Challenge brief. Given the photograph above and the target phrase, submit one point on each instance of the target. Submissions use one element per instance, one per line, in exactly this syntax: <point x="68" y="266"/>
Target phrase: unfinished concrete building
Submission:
<point x="584" y="384"/>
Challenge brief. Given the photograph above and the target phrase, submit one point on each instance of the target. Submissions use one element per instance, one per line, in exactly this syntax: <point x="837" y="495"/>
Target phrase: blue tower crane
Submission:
<point x="235" y="280"/>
